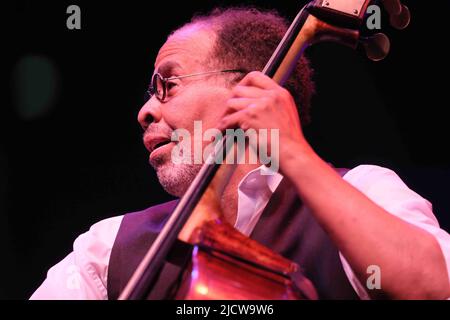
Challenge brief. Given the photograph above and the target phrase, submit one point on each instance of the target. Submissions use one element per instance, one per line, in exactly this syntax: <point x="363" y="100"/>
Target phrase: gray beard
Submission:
<point x="176" y="178"/>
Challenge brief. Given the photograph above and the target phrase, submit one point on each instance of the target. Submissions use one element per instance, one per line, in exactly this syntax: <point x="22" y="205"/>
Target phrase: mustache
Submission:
<point x="159" y="130"/>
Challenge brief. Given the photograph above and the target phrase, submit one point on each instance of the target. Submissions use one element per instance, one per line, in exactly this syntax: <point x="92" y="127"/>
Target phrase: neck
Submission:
<point x="229" y="198"/>
<point x="220" y="199"/>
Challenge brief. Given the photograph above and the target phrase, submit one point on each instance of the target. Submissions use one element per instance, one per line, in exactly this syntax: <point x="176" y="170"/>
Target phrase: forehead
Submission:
<point x="186" y="50"/>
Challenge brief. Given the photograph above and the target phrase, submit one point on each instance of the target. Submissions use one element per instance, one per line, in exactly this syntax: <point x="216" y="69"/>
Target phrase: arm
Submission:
<point x="410" y="259"/>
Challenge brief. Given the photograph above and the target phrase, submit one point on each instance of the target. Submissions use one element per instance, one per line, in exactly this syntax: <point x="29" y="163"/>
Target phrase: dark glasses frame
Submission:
<point x="158" y="85"/>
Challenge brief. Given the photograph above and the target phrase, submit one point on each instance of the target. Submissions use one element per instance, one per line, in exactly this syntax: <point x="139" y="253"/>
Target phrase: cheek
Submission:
<point x="204" y="104"/>
<point x="212" y="106"/>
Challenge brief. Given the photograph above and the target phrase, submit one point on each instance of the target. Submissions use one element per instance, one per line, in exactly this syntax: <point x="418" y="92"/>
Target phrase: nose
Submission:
<point x="150" y="112"/>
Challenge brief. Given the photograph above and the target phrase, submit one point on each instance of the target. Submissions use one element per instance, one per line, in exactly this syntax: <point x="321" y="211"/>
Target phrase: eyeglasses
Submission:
<point x="159" y="84"/>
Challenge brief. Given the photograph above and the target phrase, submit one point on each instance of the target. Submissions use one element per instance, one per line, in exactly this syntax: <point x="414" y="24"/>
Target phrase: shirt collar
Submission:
<point x="254" y="192"/>
<point x="260" y="179"/>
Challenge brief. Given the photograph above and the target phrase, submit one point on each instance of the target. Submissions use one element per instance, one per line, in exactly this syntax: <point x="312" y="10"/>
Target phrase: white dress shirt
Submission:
<point x="83" y="273"/>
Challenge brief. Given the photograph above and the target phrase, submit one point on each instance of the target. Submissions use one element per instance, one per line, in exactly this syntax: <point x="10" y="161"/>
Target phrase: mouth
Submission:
<point x="152" y="143"/>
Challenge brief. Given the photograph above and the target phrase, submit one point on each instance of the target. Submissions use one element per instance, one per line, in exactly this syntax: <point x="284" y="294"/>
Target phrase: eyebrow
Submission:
<point x="167" y="68"/>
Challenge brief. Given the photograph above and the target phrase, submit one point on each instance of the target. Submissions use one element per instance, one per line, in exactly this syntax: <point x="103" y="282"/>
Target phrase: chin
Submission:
<point x="176" y="178"/>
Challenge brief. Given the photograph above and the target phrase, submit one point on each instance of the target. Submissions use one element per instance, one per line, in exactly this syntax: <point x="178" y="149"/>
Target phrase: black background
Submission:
<point x="82" y="160"/>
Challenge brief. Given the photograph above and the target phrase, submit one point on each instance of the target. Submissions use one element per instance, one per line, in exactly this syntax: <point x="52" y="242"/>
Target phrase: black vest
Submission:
<point x="286" y="226"/>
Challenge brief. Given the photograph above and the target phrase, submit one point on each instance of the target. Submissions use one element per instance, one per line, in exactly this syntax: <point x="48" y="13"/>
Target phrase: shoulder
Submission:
<point x="388" y="190"/>
<point x="98" y="240"/>
<point x="83" y="273"/>
<point x="373" y="179"/>
<point x="366" y="175"/>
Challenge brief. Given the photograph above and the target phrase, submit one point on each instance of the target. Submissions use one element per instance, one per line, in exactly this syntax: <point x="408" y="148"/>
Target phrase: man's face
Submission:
<point x="200" y="98"/>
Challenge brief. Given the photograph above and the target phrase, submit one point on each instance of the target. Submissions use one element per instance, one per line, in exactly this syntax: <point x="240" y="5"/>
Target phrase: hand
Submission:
<point x="257" y="102"/>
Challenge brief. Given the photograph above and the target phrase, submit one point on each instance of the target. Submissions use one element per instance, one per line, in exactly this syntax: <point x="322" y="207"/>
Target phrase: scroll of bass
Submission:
<point x="226" y="264"/>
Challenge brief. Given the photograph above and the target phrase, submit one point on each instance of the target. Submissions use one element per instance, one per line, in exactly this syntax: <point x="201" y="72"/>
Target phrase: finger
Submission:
<point x="232" y="121"/>
<point x="237" y="104"/>
<point x="259" y="80"/>
<point x="244" y="91"/>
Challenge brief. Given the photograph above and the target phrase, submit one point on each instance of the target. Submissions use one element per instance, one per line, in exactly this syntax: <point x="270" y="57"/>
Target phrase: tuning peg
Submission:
<point x="401" y="20"/>
<point x="399" y="14"/>
<point x="377" y="46"/>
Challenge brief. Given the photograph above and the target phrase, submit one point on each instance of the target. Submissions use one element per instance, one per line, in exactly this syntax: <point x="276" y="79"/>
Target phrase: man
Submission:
<point x="335" y="225"/>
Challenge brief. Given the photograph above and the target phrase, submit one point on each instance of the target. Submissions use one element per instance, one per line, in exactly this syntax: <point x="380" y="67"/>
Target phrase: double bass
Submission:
<point x="224" y="263"/>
